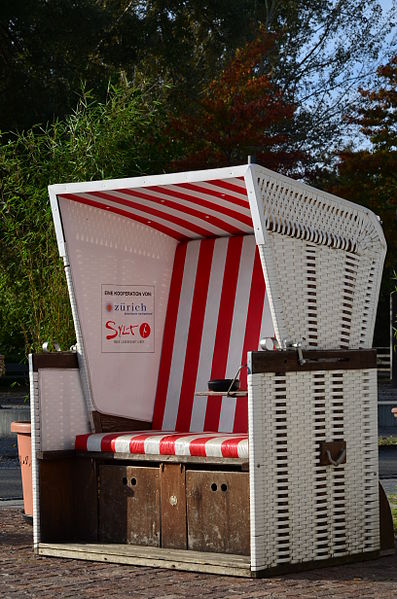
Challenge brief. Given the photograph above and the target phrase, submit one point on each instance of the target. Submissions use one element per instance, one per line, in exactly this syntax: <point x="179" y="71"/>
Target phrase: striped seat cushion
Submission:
<point x="157" y="443"/>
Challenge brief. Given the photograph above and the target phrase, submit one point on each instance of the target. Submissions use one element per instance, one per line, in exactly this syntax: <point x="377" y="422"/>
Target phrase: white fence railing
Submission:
<point x="383" y="362"/>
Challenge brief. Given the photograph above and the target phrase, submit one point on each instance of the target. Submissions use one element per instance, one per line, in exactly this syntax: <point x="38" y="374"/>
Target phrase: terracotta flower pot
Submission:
<point x="24" y="439"/>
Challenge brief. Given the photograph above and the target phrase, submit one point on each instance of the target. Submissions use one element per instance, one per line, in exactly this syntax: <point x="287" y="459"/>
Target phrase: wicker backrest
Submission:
<point x="217" y="312"/>
<point x="323" y="260"/>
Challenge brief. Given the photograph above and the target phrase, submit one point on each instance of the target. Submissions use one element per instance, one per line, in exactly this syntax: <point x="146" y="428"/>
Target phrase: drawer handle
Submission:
<point x="341" y="457"/>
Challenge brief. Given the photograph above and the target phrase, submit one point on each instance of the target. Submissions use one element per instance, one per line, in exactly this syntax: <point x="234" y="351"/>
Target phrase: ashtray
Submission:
<point x="223" y="385"/>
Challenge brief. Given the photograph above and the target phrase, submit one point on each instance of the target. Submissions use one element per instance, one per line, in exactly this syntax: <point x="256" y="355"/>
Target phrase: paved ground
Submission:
<point x="24" y="575"/>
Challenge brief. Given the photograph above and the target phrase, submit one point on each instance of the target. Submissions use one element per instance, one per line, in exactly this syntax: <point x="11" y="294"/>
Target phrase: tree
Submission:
<point x="369" y="176"/>
<point x="241" y="112"/>
<point x="323" y="47"/>
<point x="323" y="50"/>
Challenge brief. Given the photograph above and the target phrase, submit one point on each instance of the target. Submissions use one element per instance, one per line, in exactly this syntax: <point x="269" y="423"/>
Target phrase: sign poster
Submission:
<point x="127" y="318"/>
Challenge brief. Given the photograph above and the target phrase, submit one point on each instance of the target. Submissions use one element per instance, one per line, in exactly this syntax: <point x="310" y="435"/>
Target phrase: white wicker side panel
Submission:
<point x="301" y="511"/>
<point x="63" y="412"/>
<point x="81" y="355"/>
<point x="322" y="258"/>
<point x="318" y="294"/>
<point x="361" y="469"/>
<point x="263" y="470"/>
<point x="36" y="446"/>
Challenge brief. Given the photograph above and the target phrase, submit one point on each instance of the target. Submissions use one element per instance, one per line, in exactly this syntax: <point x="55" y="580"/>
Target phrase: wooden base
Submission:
<point x="193" y="561"/>
<point x="95" y="509"/>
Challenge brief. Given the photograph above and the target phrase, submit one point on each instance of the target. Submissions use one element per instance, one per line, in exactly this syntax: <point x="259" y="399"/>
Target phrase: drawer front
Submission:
<point x="129" y="505"/>
<point x="218" y="511"/>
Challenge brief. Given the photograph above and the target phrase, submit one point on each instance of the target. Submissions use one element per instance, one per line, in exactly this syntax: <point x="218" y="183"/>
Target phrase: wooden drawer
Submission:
<point x="129" y="505"/>
<point x="218" y="511"/>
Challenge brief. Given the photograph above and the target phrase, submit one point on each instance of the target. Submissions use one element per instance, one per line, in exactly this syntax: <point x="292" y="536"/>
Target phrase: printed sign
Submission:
<point x="127" y="318"/>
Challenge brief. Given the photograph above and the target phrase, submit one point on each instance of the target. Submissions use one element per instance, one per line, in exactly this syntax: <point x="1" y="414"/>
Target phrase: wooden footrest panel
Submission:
<point x="193" y="561"/>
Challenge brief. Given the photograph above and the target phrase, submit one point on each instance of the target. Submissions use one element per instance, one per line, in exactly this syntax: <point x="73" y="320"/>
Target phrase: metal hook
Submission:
<point x="46" y="345"/>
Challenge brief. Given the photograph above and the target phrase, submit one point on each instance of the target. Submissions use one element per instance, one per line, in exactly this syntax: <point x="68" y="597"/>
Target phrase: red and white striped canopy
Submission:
<point x="214" y="208"/>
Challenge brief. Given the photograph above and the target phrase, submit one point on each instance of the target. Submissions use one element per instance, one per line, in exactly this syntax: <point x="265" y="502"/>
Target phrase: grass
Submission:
<point x="386" y="441"/>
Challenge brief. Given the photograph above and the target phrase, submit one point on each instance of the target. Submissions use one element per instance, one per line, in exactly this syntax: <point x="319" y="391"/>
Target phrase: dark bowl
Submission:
<point x="223" y="385"/>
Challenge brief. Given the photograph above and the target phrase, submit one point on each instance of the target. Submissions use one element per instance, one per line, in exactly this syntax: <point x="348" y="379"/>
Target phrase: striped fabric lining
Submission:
<point x="161" y="443"/>
<point x="183" y="211"/>
<point x="217" y="312"/>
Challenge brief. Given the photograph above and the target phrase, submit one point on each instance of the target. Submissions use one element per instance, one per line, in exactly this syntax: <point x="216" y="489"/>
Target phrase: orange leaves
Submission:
<point x="377" y="115"/>
<point x="241" y="112"/>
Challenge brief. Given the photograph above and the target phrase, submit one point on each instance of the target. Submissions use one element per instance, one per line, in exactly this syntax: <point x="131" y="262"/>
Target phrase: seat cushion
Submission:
<point x="162" y="443"/>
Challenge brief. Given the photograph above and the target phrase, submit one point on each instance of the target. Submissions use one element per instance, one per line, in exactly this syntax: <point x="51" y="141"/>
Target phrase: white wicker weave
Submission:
<point x="322" y="258"/>
<point x="36" y="446"/>
<point x="301" y="511"/>
<point x="58" y="413"/>
<point x="81" y="354"/>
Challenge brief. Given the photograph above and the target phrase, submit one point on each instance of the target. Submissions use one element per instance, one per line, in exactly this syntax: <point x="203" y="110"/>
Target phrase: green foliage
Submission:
<point x="324" y="49"/>
<point x="97" y="141"/>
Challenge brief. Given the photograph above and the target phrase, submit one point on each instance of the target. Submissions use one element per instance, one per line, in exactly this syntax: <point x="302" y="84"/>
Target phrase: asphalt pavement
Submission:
<point x="10" y="475"/>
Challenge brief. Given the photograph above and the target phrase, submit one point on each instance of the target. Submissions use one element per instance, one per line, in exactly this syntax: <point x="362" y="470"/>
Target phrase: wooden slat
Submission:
<point x="61" y="359"/>
<point x="129" y="505"/>
<point x="68" y="500"/>
<point x="193" y="561"/>
<point x="287" y="361"/>
<point x="221" y="394"/>
<point x="237" y="463"/>
<point x="218" y="511"/>
<point x="386" y="524"/>
<point x="173" y="506"/>
<point x="55" y="455"/>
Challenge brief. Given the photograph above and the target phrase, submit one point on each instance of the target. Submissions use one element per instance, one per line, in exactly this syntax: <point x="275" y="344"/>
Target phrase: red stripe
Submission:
<point x="81" y="442"/>
<point x="169" y="335"/>
<point x="137" y="443"/>
<point x="167" y="445"/>
<point x="107" y="442"/>
<point x="224" y="327"/>
<point x="186" y="224"/>
<point x="230" y="187"/>
<point x="194" y="335"/>
<point x="251" y="338"/>
<point x="192" y="211"/>
<point x="197" y="446"/>
<point x="135" y="217"/>
<point x="229" y="447"/>
<point x="211" y="206"/>
<point x="217" y="194"/>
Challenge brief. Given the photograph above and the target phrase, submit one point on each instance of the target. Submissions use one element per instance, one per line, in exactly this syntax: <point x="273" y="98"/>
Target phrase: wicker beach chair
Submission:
<point x="174" y="280"/>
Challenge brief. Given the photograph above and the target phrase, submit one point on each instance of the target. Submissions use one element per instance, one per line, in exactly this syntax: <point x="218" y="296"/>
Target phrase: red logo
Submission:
<point x="123" y="330"/>
<point x="109" y="307"/>
<point x="144" y="330"/>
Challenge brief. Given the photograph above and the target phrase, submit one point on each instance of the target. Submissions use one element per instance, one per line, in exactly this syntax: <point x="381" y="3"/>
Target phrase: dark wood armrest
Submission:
<point x="287" y="361"/>
<point x="59" y="359"/>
